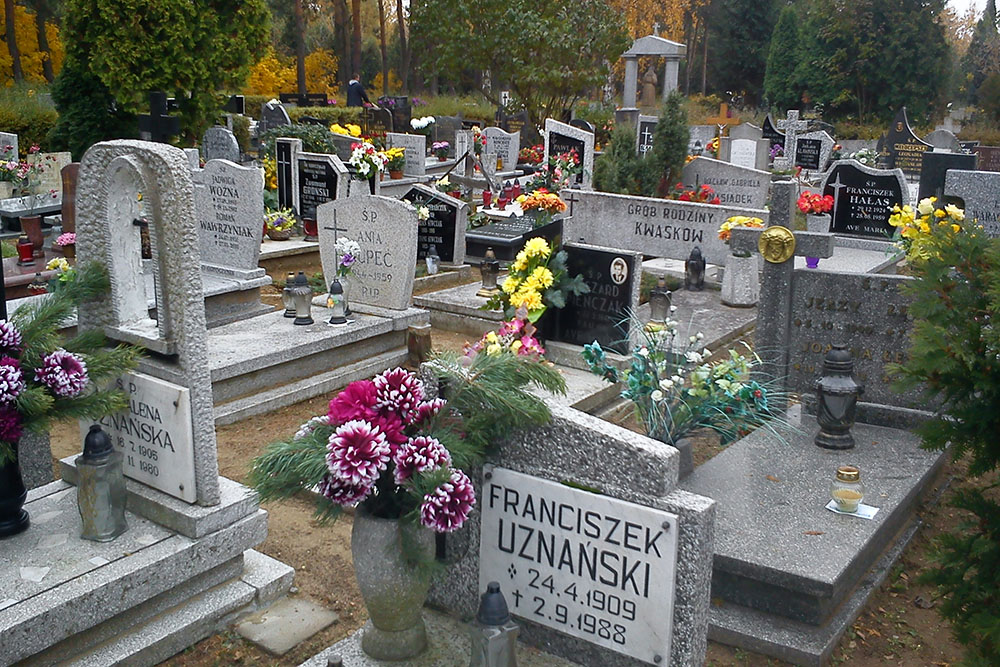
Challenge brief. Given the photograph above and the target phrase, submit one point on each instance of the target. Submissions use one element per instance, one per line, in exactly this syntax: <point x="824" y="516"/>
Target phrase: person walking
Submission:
<point x="356" y="96"/>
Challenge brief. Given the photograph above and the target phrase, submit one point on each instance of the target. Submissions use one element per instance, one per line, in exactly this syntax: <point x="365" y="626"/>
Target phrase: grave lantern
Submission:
<point x="101" y="491"/>
<point x="837" y="395"/>
<point x="494" y="634"/>
<point x="433" y="260"/>
<point x="336" y="302"/>
<point x="697" y="150"/>
<point x="287" y="298"/>
<point x="659" y="306"/>
<point x="694" y="271"/>
<point x="302" y="295"/>
<point x="846" y="489"/>
<point x="25" y="251"/>
<point x="490" y="270"/>
<point x="38" y="286"/>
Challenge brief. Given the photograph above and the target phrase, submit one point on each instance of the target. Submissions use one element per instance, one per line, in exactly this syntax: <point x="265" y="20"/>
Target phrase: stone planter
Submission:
<point x="741" y="283"/>
<point x="279" y="235"/>
<point x="393" y="590"/>
<point x="818" y="223"/>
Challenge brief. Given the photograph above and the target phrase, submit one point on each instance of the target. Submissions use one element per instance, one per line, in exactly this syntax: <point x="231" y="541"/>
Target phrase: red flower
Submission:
<point x="715" y="201"/>
<point x="356" y="401"/>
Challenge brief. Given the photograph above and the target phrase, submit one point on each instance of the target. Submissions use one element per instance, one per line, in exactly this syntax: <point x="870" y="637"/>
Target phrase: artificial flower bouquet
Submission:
<point x="543" y="204"/>
<point x="65" y="239"/>
<point x="347" y="129"/>
<point x="726" y="229"/>
<point x="535" y="281"/>
<point x="703" y="195"/>
<point x="813" y="203"/>
<point x="516" y="336"/>
<point x="531" y="155"/>
<point x="348" y="252"/>
<point x="919" y="230"/>
<point x="279" y="221"/>
<point x="366" y="159"/>
<point x="557" y="173"/>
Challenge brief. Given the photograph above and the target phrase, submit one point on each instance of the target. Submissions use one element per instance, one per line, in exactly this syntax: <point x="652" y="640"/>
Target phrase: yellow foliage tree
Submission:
<point x="321" y="72"/>
<point x="271" y="76"/>
<point x="395" y="84"/>
<point x="26" y="33"/>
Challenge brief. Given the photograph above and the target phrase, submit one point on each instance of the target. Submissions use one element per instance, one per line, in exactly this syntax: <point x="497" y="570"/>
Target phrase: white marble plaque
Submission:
<point x="744" y="153"/>
<point x="154" y="434"/>
<point x="588" y="565"/>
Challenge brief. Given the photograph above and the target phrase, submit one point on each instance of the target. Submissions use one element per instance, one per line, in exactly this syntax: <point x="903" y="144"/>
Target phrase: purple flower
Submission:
<point x="358" y="453"/>
<point x="342" y="493"/>
<point x="10" y="424"/>
<point x="447" y="507"/>
<point x="428" y="409"/>
<point x="10" y="337"/>
<point x="11" y="380"/>
<point x="399" y="391"/>
<point x="64" y="373"/>
<point x="347" y="260"/>
<point x="420" y="454"/>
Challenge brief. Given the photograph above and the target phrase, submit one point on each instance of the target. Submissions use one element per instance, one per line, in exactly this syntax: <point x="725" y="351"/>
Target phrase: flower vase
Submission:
<point x="393" y="589"/>
<point x="32" y="226"/>
<point x="395" y="174"/>
<point x="740" y="284"/>
<point x="816" y="222"/>
<point x="279" y="235"/>
<point x="13" y="517"/>
<point x="345" y="282"/>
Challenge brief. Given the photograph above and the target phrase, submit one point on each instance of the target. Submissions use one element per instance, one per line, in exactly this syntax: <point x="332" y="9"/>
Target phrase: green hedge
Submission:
<point x="28" y="113"/>
<point x="329" y="114"/>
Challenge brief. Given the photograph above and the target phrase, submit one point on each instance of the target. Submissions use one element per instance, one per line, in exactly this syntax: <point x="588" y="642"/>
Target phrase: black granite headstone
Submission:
<point x="989" y="157"/>
<point x="307" y="100"/>
<point x="603" y="313"/>
<point x="560" y="143"/>
<point x="807" y="153"/>
<point x="284" y="166"/>
<point x="401" y="112"/>
<point x="507" y="237"/>
<point x="317" y="185"/>
<point x="645" y="136"/>
<point x="771" y="133"/>
<point x="439" y="229"/>
<point x="377" y="121"/>
<point x="903" y="148"/>
<point x="936" y="165"/>
<point x="582" y="124"/>
<point x="862" y="201"/>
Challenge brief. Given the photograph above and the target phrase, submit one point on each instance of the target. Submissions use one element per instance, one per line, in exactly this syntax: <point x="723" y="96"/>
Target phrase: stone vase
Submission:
<point x="393" y="590"/>
<point x="13" y="517"/>
<point x="740" y="284"/>
<point x="345" y="282"/>
<point x="818" y="222"/>
<point x="32" y="226"/>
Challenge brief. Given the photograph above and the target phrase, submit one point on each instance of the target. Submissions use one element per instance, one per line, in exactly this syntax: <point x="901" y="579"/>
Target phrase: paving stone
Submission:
<point x="286" y="623"/>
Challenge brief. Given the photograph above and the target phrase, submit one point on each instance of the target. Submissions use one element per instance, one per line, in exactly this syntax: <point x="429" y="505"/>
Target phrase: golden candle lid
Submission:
<point x="848" y="474"/>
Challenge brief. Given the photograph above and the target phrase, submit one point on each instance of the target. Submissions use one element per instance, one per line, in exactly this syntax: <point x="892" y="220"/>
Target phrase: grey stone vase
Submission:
<point x="740" y="283"/>
<point x="393" y="590"/>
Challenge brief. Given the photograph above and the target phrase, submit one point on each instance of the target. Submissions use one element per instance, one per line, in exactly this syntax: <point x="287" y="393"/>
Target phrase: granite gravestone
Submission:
<point x="286" y="153"/>
<point x="699" y="137"/>
<point x="945" y="140"/>
<point x="50" y="178"/>
<point x="193" y="157"/>
<point x="305" y="99"/>
<point x="562" y="138"/>
<point x="771" y="133"/>
<point x="514" y="122"/>
<point x="444" y="129"/>
<point x="655" y="227"/>
<point x="218" y="143"/>
<point x="9" y="139"/>
<point x="386" y="230"/>
<point x="745" y="147"/>
<point x="605" y="314"/>
<point x="863" y="198"/>
<point x="321" y="178"/>
<point x="230" y="206"/>
<point x="463" y="143"/>
<point x="934" y="168"/>
<point x="445" y="228"/>
<point x="402" y="112"/>
<point x="274" y="115"/>
<point x="901" y="147"/>
<point x="376" y="121"/>
<point x="415" y="149"/>
<point x="343" y="145"/>
<point x="734" y="185"/>
<point x="644" y="130"/>
<point x="989" y="157"/>
<point x="584" y="125"/>
<point x="506" y="145"/>
<point x="813" y="150"/>
<point x="978" y="193"/>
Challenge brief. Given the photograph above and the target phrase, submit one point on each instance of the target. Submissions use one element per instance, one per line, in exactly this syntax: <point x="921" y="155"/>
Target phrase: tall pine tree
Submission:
<point x="737" y="54"/>
<point x="983" y="56"/>
<point x="780" y="87"/>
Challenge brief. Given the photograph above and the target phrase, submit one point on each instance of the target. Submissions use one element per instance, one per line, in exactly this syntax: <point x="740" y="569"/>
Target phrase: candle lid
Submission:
<point x="848" y="474"/>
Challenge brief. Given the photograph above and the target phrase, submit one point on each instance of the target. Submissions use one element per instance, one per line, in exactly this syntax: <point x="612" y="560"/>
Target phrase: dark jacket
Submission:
<point x="356" y="94"/>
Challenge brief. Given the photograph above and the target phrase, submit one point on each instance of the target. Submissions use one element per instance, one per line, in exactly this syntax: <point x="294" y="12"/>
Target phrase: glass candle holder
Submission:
<point x="847" y="490"/>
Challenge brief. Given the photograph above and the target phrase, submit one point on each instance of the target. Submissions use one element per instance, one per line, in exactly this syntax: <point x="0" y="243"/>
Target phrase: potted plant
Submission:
<point x="30" y="178"/>
<point x="45" y="378"/>
<point x="367" y="160"/>
<point x="817" y="208"/>
<point x="398" y="451"/>
<point x="279" y="224"/>
<point x="740" y="284"/>
<point x="67" y="243"/>
<point x="10" y="172"/>
<point x="440" y="149"/>
<point x="395" y="159"/>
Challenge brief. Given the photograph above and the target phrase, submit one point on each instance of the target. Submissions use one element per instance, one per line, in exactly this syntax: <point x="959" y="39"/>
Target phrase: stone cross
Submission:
<point x="774" y="308"/>
<point x="792" y="126"/>
<point x="159" y="124"/>
<point x="572" y="198"/>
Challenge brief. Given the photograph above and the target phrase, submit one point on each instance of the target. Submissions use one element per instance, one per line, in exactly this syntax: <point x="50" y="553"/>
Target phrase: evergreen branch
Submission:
<point x="287" y="467"/>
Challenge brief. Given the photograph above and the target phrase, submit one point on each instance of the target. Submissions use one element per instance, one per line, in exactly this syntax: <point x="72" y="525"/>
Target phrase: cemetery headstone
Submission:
<point x="734" y="185"/>
<point x="463" y="143"/>
<point x="989" y="157"/>
<point x="286" y="153"/>
<point x="771" y="133"/>
<point x="935" y="166"/>
<point x="979" y="192"/>
<point x="343" y="144"/>
<point x="656" y="227"/>
<point x="321" y="178"/>
<point x="159" y="125"/>
<point x="376" y="120"/>
<point x="415" y="148"/>
<point x="53" y="164"/>
<point x="792" y="127"/>
<point x="813" y="150"/>
<point x="445" y="128"/>
<point x="306" y="100"/>
<point x="699" y="137"/>
<point x="606" y="313"/>
<point x="902" y="148"/>
<point x="386" y="229"/>
<point x="218" y="143"/>
<point x="562" y="138"/>
<point x="401" y="111"/>
<point x="173" y="405"/>
<point x="968" y="146"/>
<point x="584" y="125"/>
<point x="274" y="115"/>
<point x="236" y="104"/>
<point x="644" y="130"/>
<point x="193" y="157"/>
<point x="745" y="147"/>
<point x="70" y="175"/>
<point x="945" y="140"/>
<point x="9" y="139"/>
<point x="230" y="208"/>
<point x="445" y="228"/>
<point x="863" y="198"/>
<point x="505" y="144"/>
<point x="515" y="122"/>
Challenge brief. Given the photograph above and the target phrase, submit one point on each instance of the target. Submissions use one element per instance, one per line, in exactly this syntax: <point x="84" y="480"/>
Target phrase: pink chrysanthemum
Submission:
<point x="10" y="424"/>
<point x="392" y="426"/>
<point x="398" y="391"/>
<point x="64" y="373"/>
<point x="420" y="454"/>
<point x="447" y="507"/>
<point x="358" y="452"/>
<point x="311" y="425"/>
<point x="342" y="493"/>
<point x="11" y="380"/>
<point x="355" y="401"/>
<point x="10" y="337"/>
<point x="428" y="409"/>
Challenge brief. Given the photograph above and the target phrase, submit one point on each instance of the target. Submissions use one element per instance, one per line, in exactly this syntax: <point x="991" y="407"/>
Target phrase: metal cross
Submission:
<point x="837" y="187"/>
<point x="159" y="124"/>
<point x="572" y="199"/>
<point x="646" y="142"/>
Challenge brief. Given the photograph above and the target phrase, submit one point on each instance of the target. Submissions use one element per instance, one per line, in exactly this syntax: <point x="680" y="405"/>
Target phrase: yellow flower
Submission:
<point x="926" y="206"/>
<point x="537" y="247"/>
<point x="510" y="285"/>
<point x="955" y="212"/>
<point x="494" y="349"/>
<point x="532" y="301"/>
<point x="955" y="228"/>
<point x="515" y="346"/>
<point x="58" y="264"/>
<point x="939" y="213"/>
<point x="531" y="282"/>
<point x="924" y="227"/>
<point x="543" y="277"/>
<point x="520" y="264"/>
<point x="491" y="337"/>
